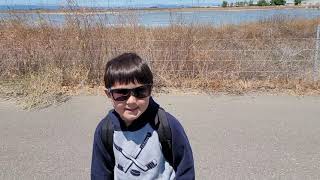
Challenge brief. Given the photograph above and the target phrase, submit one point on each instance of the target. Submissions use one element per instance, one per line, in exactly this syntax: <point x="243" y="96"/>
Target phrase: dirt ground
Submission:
<point x="233" y="137"/>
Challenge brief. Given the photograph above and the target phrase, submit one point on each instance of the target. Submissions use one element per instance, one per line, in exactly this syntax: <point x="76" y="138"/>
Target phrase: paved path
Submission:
<point x="233" y="137"/>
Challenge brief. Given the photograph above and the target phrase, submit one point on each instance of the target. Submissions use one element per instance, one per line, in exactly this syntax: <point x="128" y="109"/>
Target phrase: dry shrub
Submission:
<point x="267" y="55"/>
<point x="36" y="89"/>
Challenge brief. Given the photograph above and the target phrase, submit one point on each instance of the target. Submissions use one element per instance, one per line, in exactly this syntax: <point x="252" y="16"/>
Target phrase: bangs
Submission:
<point x="127" y="68"/>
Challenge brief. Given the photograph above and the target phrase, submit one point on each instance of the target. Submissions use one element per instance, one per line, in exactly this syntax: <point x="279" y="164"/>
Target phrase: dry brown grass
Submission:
<point x="45" y="61"/>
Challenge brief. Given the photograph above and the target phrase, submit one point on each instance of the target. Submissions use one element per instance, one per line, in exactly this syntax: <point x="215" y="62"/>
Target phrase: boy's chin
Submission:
<point x="129" y="117"/>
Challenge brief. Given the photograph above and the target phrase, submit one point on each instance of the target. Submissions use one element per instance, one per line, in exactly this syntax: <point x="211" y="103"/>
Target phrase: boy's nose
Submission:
<point x="131" y="99"/>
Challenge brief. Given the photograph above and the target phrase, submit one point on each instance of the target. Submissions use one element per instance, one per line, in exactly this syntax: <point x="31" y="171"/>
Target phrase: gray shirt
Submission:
<point x="138" y="155"/>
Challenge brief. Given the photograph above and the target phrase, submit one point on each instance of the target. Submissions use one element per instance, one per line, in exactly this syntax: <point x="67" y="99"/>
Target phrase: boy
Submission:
<point x="136" y="151"/>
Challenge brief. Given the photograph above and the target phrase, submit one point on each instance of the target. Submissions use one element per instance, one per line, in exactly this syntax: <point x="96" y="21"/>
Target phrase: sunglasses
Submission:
<point x="122" y="94"/>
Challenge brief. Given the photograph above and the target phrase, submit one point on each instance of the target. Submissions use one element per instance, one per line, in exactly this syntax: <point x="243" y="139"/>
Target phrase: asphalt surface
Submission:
<point x="233" y="137"/>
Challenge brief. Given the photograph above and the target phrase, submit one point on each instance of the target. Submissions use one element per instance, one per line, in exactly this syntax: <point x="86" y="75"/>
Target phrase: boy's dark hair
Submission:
<point x="126" y="68"/>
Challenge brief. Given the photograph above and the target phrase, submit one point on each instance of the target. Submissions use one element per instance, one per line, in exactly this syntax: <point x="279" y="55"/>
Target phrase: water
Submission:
<point x="164" y="18"/>
<point x="57" y="4"/>
<point x="218" y="18"/>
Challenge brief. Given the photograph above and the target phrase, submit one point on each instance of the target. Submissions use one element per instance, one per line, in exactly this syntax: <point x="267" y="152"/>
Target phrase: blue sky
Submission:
<point x="111" y="2"/>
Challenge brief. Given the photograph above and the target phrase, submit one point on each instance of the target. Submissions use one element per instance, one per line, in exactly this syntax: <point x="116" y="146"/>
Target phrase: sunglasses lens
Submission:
<point x="121" y="98"/>
<point x="120" y="94"/>
<point x="142" y="91"/>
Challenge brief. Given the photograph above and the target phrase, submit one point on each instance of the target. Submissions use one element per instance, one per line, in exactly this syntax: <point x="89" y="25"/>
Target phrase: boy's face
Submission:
<point x="131" y="108"/>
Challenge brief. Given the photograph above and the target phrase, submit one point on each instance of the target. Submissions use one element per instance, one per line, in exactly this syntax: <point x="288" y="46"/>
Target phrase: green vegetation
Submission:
<point x="262" y="3"/>
<point x="297" y="2"/>
<point x="277" y="2"/>
<point x="224" y="4"/>
<point x="243" y="3"/>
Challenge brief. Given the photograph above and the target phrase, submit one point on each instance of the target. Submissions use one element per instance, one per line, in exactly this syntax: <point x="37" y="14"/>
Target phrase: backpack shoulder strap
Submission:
<point x="165" y="136"/>
<point x="107" y="138"/>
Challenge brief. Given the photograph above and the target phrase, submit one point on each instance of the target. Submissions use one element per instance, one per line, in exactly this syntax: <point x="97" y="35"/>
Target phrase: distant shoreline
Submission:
<point x="189" y="9"/>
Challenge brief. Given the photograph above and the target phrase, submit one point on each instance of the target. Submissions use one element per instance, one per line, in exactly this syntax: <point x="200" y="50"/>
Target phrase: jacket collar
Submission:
<point x="142" y="120"/>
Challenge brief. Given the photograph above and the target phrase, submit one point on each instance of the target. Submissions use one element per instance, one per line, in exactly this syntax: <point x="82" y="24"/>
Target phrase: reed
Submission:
<point x="46" y="61"/>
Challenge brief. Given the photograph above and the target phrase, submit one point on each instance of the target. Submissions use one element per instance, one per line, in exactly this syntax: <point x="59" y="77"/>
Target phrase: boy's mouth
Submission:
<point x="131" y="109"/>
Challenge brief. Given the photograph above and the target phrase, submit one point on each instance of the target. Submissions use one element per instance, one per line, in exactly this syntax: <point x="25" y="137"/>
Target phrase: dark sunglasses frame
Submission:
<point x="138" y="92"/>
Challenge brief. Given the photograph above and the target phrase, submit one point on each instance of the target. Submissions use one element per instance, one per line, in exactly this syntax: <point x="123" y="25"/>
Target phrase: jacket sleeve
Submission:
<point x="183" y="163"/>
<point x="101" y="160"/>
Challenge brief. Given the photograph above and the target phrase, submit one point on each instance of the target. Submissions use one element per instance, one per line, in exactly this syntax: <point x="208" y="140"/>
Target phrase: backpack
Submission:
<point x="161" y="125"/>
